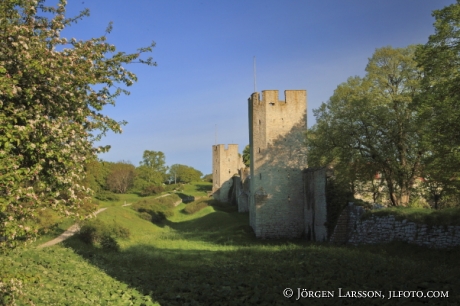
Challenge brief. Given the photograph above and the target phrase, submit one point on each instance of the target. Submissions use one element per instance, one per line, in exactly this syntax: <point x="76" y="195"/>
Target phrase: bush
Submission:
<point x="151" y="190"/>
<point x="145" y="215"/>
<point x="108" y="243"/>
<point x="95" y="232"/>
<point x="174" y="187"/>
<point x="47" y="219"/>
<point x="106" y="195"/>
<point x="158" y="209"/>
<point x="195" y="206"/>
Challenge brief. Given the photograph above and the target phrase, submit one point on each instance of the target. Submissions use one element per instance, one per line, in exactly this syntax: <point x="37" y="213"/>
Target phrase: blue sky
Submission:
<point x="205" y="50"/>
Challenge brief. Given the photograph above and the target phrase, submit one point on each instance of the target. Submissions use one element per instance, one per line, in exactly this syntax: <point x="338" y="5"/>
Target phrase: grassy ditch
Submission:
<point x="211" y="257"/>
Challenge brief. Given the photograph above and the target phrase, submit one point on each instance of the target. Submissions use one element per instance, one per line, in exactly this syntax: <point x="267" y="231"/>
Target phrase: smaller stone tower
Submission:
<point x="225" y="163"/>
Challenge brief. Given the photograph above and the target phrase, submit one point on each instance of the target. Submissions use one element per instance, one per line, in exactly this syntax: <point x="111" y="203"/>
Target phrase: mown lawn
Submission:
<point x="211" y="258"/>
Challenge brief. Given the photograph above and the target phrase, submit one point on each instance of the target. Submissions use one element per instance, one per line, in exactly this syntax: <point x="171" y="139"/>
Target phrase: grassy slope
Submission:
<point x="211" y="257"/>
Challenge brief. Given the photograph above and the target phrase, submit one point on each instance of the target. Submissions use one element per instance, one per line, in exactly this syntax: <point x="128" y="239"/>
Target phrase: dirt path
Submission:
<point x="68" y="233"/>
<point x="75" y="228"/>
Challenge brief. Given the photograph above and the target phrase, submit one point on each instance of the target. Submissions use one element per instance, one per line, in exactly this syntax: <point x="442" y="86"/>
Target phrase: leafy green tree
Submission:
<point x="184" y="174"/>
<point x="439" y="102"/>
<point x="247" y="156"/>
<point x="121" y="177"/>
<point x="50" y="110"/>
<point x="153" y="168"/>
<point x="370" y="125"/>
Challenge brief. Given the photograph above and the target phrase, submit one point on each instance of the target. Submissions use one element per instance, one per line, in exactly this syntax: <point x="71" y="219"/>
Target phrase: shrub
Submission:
<point x="46" y="220"/>
<point x="195" y="206"/>
<point x="151" y="190"/>
<point x="145" y="215"/>
<point x="108" y="243"/>
<point x="94" y="231"/>
<point x="174" y="187"/>
<point x="159" y="209"/>
<point x="105" y="195"/>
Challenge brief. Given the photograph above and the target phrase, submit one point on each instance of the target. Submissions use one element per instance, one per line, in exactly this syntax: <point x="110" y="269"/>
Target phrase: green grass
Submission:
<point x="447" y="216"/>
<point x="197" y="189"/>
<point x="211" y="257"/>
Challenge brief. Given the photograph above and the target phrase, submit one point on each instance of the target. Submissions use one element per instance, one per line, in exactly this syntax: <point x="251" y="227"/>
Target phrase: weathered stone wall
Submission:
<point x="278" y="155"/>
<point x="352" y="230"/>
<point x="315" y="212"/>
<point x="387" y="229"/>
<point x="346" y="224"/>
<point x="225" y="163"/>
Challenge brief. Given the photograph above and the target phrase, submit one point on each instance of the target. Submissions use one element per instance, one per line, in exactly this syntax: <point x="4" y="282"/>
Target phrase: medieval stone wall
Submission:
<point x="278" y="155"/>
<point x="351" y="229"/>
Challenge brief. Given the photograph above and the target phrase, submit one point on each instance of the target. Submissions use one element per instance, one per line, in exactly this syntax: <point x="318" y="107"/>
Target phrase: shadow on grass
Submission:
<point x="257" y="275"/>
<point x="242" y="270"/>
<point x="203" y="187"/>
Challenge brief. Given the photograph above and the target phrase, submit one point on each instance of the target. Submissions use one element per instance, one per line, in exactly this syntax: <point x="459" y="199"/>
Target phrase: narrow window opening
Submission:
<point x="259" y="150"/>
<point x="260" y="175"/>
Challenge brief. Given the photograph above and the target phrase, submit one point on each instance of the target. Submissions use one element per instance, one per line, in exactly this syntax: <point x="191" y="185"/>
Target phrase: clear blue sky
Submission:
<point x="205" y="53"/>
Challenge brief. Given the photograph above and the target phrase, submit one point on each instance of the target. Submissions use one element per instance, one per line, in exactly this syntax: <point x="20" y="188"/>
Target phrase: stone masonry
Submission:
<point x="225" y="163"/>
<point x="351" y="229"/>
<point x="278" y="155"/>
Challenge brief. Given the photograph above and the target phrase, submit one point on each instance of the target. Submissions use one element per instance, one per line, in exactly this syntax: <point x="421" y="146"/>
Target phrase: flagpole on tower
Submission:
<point x="255" y="77"/>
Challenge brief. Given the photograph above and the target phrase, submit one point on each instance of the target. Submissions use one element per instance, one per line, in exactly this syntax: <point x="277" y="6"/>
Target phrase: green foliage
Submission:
<point x="208" y="178"/>
<point x="59" y="276"/>
<point x="109" y="243"/>
<point x="184" y="174"/>
<point x="97" y="232"/>
<point x="145" y="215"/>
<point x="174" y="187"/>
<point x="438" y="103"/>
<point x="105" y="195"/>
<point x="152" y="190"/>
<point x="215" y="248"/>
<point x="50" y="110"/>
<point x="152" y="170"/>
<point x="448" y="216"/>
<point x="159" y="209"/>
<point x="247" y="156"/>
<point x="120" y="177"/>
<point x="370" y="126"/>
<point x="196" y="206"/>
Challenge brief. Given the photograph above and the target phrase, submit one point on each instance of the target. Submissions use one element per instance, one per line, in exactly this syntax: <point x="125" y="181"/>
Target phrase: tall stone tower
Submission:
<point x="278" y="155"/>
<point x="225" y="163"/>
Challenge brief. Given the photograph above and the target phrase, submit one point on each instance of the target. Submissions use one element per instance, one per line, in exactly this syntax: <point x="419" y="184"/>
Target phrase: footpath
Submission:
<point x="68" y="233"/>
<point x="75" y="228"/>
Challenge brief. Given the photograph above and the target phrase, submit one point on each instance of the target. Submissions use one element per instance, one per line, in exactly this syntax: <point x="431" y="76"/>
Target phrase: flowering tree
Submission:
<point x="50" y="111"/>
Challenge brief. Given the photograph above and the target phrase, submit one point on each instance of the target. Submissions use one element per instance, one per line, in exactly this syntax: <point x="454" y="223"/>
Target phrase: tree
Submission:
<point x="50" y="110"/>
<point x="370" y="125"/>
<point x="153" y="167"/>
<point x="184" y="174"/>
<point x="247" y="156"/>
<point x="121" y="177"/>
<point x="439" y="102"/>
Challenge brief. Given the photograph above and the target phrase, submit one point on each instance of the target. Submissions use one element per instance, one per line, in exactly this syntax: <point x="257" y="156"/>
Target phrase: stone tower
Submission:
<point x="278" y="155"/>
<point x="225" y="163"/>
